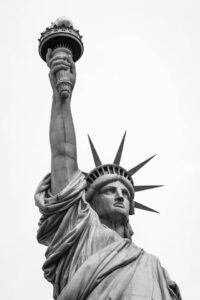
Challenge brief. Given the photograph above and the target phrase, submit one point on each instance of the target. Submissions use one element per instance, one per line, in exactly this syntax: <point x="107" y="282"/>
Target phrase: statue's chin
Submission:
<point x="118" y="215"/>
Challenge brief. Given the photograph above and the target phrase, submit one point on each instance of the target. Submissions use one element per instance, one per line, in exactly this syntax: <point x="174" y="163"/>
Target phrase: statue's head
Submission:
<point x="110" y="190"/>
<point x="111" y="196"/>
<point x="112" y="201"/>
<point x="112" y="177"/>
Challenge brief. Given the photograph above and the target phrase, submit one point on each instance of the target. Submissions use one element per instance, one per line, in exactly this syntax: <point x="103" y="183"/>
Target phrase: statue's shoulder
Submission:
<point x="149" y="259"/>
<point x="153" y="258"/>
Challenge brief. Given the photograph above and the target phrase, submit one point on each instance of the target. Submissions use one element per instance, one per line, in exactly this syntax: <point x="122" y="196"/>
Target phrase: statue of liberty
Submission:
<point x="85" y="216"/>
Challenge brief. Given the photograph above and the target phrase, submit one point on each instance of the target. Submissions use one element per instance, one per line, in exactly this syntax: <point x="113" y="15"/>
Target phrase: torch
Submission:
<point x="61" y="37"/>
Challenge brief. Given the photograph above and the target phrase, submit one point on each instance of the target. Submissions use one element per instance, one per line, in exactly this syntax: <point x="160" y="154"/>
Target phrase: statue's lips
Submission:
<point x="119" y="204"/>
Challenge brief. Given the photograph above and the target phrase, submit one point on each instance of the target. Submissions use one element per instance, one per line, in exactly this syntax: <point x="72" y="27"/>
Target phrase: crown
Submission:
<point x="61" y="33"/>
<point x="105" y="173"/>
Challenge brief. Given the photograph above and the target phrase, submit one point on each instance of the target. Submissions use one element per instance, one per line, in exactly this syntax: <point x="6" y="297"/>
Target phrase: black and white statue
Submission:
<point x="85" y="216"/>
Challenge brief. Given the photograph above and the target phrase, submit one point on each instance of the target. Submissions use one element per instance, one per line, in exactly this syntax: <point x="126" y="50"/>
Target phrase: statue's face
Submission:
<point x="112" y="201"/>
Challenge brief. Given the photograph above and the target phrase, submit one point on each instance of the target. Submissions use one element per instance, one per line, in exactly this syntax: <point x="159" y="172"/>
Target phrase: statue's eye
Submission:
<point x="108" y="190"/>
<point x="126" y="194"/>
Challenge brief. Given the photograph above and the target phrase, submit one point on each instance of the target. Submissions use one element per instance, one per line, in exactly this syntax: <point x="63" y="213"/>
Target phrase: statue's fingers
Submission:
<point x="48" y="57"/>
<point x="72" y="63"/>
<point x="57" y="68"/>
<point x="62" y="56"/>
<point x="59" y="62"/>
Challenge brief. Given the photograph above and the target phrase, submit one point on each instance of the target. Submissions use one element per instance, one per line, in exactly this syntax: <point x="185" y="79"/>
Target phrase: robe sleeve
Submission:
<point x="54" y="208"/>
<point x="66" y="228"/>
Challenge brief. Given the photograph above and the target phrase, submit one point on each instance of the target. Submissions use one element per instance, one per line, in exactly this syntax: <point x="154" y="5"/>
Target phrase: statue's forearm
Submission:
<point x="63" y="145"/>
<point x="62" y="133"/>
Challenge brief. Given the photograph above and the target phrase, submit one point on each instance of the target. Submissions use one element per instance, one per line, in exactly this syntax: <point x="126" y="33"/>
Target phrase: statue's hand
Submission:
<point x="57" y="63"/>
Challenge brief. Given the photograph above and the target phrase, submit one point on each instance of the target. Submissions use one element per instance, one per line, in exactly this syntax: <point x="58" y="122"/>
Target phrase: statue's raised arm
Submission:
<point x="60" y="46"/>
<point x="62" y="133"/>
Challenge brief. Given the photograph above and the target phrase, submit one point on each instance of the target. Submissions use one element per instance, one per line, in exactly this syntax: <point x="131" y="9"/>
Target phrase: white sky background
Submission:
<point x="140" y="72"/>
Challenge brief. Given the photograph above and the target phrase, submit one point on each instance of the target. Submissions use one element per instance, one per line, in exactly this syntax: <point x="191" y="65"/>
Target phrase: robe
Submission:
<point x="87" y="260"/>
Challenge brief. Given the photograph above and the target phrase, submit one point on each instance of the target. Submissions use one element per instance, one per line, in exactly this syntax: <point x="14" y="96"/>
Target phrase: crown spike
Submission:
<point x="136" y="168"/>
<point x="139" y="188"/>
<point x="119" y="151"/>
<point x="94" y="153"/>
<point x="141" y="206"/>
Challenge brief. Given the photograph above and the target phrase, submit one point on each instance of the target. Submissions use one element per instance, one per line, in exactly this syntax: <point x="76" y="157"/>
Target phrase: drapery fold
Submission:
<point x="87" y="260"/>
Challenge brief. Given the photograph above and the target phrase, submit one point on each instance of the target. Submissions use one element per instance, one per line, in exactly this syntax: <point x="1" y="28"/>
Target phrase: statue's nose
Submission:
<point x="119" y="195"/>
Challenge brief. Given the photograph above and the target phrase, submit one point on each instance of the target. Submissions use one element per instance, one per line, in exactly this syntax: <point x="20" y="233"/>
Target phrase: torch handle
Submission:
<point x="63" y="83"/>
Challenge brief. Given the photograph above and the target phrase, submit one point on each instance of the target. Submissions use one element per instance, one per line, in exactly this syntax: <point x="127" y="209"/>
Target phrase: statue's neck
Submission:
<point x="116" y="226"/>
